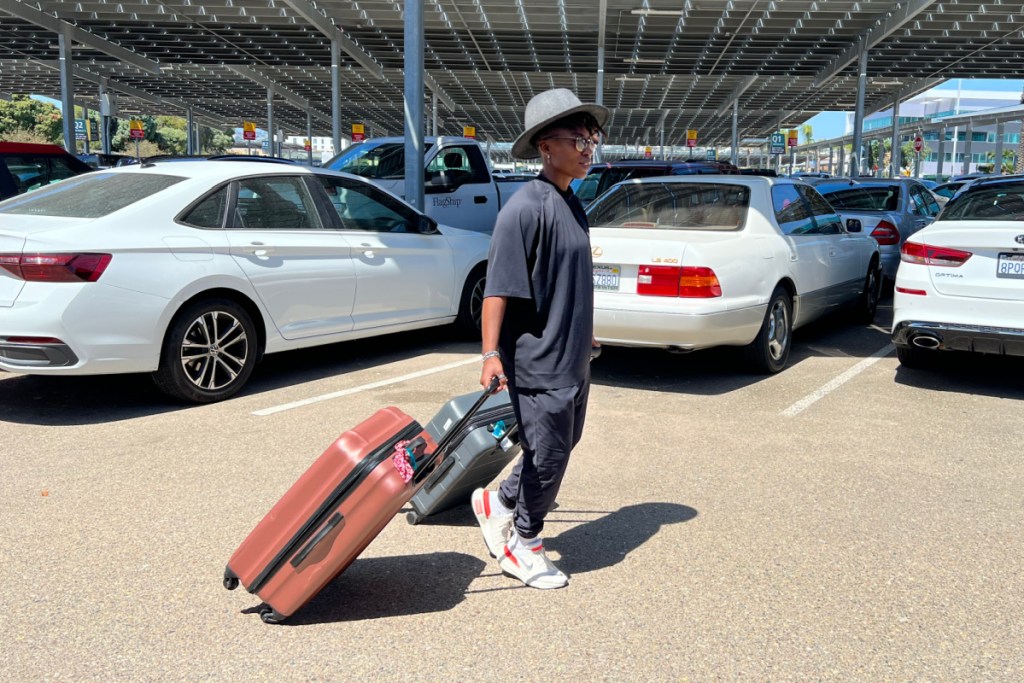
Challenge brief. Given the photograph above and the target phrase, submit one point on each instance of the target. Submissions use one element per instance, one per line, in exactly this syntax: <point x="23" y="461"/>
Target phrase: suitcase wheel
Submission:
<point x="269" y="616"/>
<point x="412" y="518"/>
<point x="230" y="582"/>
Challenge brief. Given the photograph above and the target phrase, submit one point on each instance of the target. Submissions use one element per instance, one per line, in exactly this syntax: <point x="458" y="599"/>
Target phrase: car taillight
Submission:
<point x="886" y="233"/>
<point x="55" y="267"/>
<point x="692" y="282"/>
<point x="927" y="255"/>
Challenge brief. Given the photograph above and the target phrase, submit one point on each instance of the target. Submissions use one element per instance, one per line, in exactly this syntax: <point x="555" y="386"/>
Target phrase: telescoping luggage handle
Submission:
<point x="427" y="465"/>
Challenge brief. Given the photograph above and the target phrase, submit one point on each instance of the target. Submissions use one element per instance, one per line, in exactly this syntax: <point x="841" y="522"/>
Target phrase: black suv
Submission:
<point x="25" y="166"/>
<point x="604" y="175"/>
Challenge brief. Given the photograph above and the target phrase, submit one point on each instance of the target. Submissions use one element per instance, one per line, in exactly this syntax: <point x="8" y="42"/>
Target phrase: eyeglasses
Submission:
<point x="582" y="143"/>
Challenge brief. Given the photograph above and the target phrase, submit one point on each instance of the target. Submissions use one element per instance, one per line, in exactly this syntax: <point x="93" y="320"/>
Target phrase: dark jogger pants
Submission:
<point x="550" y="426"/>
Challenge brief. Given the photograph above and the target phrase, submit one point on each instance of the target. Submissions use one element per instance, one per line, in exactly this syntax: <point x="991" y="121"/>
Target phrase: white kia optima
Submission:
<point x="960" y="285"/>
<point x="193" y="270"/>
<point x="690" y="262"/>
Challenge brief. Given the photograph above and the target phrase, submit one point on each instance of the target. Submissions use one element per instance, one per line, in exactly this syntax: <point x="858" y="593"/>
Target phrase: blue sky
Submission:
<point x="831" y="124"/>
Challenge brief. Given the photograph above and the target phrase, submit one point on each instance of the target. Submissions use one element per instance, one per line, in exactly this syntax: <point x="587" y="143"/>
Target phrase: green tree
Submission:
<point x="215" y="141"/>
<point x="24" y="118"/>
<point x="808" y="131"/>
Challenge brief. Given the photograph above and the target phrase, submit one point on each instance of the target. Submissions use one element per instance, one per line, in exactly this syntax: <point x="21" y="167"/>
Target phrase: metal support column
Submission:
<point x="270" y="120"/>
<point x="309" y="137"/>
<point x="842" y="159"/>
<point x="1000" y="133"/>
<point x="190" y="134"/>
<point x="433" y="127"/>
<point x="336" y="95"/>
<point x="941" y="155"/>
<point x="967" y="147"/>
<point x="67" y="90"/>
<point x="104" y="116"/>
<point x="599" y="95"/>
<point x="858" y="116"/>
<point x="735" y="156"/>
<point x="88" y="126"/>
<point x="894" y="144"/>
<point x="414" y="175"/>
<point x="831" y="160"/>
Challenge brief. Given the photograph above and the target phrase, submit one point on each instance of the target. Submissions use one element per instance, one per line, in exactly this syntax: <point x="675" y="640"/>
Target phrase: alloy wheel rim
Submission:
<point x="777" y="334"/>
<point x="214" y="350"/>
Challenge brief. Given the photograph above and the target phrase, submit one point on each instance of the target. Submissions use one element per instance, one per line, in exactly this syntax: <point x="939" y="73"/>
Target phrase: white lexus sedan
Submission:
<point x="960" y="285"/>
<point x="690" y="262"/>
<point x="193" y="270"/>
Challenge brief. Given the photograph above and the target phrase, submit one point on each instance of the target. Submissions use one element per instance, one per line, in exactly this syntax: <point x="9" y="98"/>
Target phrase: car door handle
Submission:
<point x="480" y="199"/>
<point x="368" y="253"/>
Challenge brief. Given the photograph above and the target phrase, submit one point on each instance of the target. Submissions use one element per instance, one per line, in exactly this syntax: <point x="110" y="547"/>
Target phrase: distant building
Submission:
<point x="949" y="99"/>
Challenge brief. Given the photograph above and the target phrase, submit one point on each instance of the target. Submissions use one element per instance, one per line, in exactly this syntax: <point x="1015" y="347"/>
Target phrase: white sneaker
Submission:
<point x="494" y="520"/>
<point x="532" y="567"/>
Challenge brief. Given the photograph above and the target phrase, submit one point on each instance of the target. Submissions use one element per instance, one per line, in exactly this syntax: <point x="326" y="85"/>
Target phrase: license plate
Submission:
<point x="606" y="278"/>
<point x="1008" y="265"/>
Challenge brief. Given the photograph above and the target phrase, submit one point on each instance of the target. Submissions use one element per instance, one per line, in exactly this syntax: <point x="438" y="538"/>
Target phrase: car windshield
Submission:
<point x="90" y="195"/>
<point x="997" y="202"/>
<point x="861" y="197"/>
<point x="369" y="160"/>
<point x="679" y="206"/>
<point x="600" y="179"/>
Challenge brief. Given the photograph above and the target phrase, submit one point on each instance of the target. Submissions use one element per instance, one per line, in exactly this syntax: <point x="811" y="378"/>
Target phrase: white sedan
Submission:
<point x="192" y="271"/>
<point x="960" y="285"/>
<point x="686" y="263"/>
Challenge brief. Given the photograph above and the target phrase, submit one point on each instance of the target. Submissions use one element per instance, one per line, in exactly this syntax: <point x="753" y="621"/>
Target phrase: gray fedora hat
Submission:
<point x="547" y="108"/>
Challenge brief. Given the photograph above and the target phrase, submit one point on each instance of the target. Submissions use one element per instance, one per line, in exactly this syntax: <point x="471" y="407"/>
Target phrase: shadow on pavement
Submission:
<point x="968" y="373"/>
<point x="97" y="399"/>
<point x="606" y="541"/>
<point x="381" y="587"/>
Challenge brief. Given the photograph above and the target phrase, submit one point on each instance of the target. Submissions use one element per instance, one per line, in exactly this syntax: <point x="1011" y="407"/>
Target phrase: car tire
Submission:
<point x="867" y="304"/>
<point x="769" y="352"/>
<point x="914" y="358"/>
<point x="471" y="305"/>
<point x="200" y="367"/>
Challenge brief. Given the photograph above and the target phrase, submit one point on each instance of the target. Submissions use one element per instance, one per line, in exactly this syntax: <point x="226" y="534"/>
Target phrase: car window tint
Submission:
<point x="587" y="188"/>
<point x="792" y="213"/>
<point x="933" y="206"/>
<point x="32" y="171"/>
<point x="997" y="202"/>
<point x="917" y="202"/>
<point x="363" y="207"/>
<point x="827" y="220"/>
<point x="90" y="195"/>
<point x="679" y="206"/>
<point x="274" y="203"/>
<point x="382" y="161"/>
<point x="209" y="213"/>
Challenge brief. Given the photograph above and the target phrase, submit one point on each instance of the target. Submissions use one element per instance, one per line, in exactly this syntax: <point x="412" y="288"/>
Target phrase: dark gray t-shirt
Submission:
<point x="540" y="259"/>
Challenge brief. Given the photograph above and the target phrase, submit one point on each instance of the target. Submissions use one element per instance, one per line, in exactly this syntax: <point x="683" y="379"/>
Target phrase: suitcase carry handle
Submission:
<point x="334" y="521"/>
<point x="445" y="442"/>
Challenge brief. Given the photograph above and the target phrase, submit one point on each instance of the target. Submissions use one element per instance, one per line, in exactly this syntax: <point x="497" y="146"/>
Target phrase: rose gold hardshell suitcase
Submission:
<point x="335" y="509"/>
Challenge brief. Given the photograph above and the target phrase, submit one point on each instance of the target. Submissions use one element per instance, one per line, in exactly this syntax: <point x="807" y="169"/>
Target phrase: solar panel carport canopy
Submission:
<point x="675" y="65"/>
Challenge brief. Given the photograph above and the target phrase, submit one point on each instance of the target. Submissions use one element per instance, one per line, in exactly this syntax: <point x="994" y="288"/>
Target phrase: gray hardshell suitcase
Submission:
<point x="488" y="443"/>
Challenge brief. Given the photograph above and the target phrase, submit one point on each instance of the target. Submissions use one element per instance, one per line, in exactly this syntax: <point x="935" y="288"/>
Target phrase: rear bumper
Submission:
<point x="1007" y="341"/>
<point x="676" y="330"/>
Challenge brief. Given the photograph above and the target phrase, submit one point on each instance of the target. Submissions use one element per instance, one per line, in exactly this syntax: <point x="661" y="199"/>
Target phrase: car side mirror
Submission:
<point x="427" y="226"/>
<point x="853" y="225"/>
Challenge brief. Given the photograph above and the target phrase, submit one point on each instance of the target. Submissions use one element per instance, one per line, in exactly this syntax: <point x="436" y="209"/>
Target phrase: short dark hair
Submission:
<point x="580" y="119"/>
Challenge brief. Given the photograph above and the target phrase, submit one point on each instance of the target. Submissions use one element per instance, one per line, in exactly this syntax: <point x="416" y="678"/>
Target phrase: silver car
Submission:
<point x="890" y="209"/>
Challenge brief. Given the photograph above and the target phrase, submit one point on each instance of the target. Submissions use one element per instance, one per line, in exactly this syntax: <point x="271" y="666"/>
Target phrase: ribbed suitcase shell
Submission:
<point x="294" y="551"/>
<point x="473" y="460"/>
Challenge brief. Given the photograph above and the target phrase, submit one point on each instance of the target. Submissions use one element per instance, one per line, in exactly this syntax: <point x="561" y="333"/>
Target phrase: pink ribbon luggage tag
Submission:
<point x="404" y="458"/>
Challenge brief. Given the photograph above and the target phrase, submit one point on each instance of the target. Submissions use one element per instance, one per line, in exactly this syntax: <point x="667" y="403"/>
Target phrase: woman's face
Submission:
<point x="559" y="153"/>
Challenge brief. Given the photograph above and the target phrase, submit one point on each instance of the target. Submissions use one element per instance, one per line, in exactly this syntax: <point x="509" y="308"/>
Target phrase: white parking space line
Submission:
<point x="809" y="400"/>
<point x="365" y="387"/>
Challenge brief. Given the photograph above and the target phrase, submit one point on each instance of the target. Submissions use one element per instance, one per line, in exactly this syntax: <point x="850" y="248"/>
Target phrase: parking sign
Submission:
<point x="778" y="143"/>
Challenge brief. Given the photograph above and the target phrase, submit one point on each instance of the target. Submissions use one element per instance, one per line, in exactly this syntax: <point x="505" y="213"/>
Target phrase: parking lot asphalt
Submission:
<point x="844" y="520"/>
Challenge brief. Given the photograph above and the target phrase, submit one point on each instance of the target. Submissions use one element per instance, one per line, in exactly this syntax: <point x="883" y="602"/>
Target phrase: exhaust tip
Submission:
<point x="926" y="341"/>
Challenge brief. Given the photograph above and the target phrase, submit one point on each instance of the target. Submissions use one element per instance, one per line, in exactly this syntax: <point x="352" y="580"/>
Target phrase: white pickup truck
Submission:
<point x="460" y="189"/>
